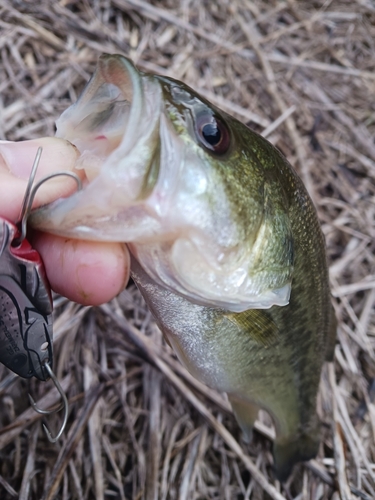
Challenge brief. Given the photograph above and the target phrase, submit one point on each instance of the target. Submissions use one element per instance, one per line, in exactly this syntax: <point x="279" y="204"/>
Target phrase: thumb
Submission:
<point x="16" y="161"/>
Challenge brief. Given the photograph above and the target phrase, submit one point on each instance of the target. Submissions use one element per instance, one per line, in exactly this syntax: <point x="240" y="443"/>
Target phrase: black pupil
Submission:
<point x="211" y="133"/>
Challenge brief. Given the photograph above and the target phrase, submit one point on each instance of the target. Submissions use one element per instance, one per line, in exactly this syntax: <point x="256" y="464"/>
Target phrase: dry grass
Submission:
<point x="140" y="427"/>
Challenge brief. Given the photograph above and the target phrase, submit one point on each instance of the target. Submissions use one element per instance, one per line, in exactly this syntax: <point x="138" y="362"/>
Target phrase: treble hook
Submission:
<point x="30" y="183"/>
<point x="31" y="192"/>
<point x="28" y="199"/>
<point x="64" y="405"/>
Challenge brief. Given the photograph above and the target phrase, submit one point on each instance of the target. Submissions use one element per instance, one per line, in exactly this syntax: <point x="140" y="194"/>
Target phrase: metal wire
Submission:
<point x="65" y="406"/>
<point x="31" y="192"/>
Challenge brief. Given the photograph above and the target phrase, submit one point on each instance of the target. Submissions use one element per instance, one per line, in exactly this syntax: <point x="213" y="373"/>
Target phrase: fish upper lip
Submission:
<point x="115" y="82"/>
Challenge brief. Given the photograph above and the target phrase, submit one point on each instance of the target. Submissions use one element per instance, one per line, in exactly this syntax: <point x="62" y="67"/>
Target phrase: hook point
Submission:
<point x="64" y="405"/>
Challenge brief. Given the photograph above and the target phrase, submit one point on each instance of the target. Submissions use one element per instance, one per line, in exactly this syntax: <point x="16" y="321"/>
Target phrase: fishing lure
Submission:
<point x="26" y="324"/>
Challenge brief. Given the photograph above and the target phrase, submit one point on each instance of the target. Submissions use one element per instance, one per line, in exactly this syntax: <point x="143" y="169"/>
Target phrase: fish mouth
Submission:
<point x="115" y="126"/>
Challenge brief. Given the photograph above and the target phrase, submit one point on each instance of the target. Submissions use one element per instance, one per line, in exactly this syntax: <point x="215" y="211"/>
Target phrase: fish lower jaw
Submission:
<point x="224" y="298"/>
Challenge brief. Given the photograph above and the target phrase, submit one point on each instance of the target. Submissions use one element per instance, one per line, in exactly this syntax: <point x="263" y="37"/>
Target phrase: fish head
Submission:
<point x="182" y="183"/>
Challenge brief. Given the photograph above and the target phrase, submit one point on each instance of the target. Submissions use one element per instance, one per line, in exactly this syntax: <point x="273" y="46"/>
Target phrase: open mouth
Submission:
<point x="115" y="126"/>
<point x="98" y="123"/>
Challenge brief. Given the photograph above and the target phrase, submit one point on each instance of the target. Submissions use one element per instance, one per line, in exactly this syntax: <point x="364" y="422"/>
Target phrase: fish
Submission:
<point x="226" y="246"/>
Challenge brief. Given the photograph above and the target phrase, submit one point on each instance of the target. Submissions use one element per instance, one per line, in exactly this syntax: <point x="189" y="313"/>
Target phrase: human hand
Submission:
<point x="90" y="273"/>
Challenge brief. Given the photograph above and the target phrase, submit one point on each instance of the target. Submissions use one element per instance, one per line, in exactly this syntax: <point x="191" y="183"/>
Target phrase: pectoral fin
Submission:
<point x="258" y="324"/>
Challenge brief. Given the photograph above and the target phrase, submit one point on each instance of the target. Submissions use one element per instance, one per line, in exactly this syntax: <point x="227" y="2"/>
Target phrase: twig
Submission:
<point x="254" y="40"/>
<point x="153" y="460"/>
<point x="29" y="470"/>
<point x="90" y="380"/>
<point x="319" y="66"/>
<point x="8" y="487"/>
<point x="71" y="443"/>
<point x="107" y="449"/>
<point x="360" y="133"/>
<point x="274" y="125"/>
<point x="367" y="284"/>
<point x="338" y="446"/>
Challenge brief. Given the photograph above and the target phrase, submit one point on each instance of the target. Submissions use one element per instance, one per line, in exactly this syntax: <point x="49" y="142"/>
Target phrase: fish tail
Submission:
<point x="288" y="452"/>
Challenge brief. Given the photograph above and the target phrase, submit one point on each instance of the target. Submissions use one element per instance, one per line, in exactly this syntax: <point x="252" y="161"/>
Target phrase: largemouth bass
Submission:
<point x="226" y="245"/>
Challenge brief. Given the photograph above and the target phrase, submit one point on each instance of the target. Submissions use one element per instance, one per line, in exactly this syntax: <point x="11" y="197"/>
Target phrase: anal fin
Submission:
<point x="246" y="413"/>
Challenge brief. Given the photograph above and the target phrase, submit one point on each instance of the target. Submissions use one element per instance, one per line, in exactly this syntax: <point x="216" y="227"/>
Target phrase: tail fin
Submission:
<point x="287" y="453"/>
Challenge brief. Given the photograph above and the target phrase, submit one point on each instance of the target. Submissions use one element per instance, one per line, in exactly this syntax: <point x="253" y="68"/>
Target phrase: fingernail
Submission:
<point x="19" y="156"/>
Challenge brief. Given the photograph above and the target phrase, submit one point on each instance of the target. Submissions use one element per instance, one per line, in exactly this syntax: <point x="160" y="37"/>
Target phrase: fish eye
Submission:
<point x="213" y="133"/>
